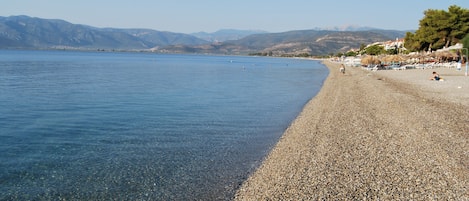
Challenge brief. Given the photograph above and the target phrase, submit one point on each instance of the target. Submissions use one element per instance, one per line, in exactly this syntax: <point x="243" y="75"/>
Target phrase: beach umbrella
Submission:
<point x="386" y="59"/>
<point x="397" y="58"/>
<point x="367" y="60"/>
<point x="446" y="55"/>
<point x="418" y="57"/>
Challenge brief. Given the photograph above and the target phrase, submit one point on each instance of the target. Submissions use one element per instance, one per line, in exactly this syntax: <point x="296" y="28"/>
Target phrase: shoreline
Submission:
<point x="376" y="135"/>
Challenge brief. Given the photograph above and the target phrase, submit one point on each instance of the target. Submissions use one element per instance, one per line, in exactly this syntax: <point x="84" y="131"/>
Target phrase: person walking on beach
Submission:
<point x="342" y="68"/>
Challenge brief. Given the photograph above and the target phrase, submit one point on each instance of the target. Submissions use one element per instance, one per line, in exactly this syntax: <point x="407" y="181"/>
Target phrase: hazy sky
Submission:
<point x="188" y="16"/>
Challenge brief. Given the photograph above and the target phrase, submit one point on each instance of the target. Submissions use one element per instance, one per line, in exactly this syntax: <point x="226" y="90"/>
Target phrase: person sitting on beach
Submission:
<point x="436" y="76"/>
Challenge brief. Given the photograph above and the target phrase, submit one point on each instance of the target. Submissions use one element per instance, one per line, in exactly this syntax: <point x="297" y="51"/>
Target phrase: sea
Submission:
<point x="142" y="126"/>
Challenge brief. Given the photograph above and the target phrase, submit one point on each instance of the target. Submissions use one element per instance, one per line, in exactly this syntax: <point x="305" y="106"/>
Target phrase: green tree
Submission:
<point x="411" y="42"/>
<point x="433" y="31"/>
<point x="392" y="51"/>
<point x="438" y="29"/>
<point x="374" y="50"/>
<point x="465" y="41"/>
<point x="339" y="54"/>
<point x="351" y="54"/>
<point x="459" y="22"/>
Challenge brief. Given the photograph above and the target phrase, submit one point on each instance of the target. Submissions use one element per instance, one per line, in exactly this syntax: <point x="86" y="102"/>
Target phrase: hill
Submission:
<point x="225" y="35"/>
<point x="29" y="32"/>
<point x="36" y="33"/>
<point x="313" y="42"/>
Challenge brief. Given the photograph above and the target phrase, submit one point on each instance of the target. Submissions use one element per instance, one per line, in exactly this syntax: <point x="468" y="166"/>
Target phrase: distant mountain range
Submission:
<point x="29" y="32"/>
<point x="226" y="34"/>
<point x="24" y="32"/>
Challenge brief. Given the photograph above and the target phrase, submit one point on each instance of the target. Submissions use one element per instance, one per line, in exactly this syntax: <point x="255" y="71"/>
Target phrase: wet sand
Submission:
<point x="385" y="135"/>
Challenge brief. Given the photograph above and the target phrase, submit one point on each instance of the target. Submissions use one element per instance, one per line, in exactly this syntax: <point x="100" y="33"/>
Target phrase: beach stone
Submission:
<point x="384" y="135"/>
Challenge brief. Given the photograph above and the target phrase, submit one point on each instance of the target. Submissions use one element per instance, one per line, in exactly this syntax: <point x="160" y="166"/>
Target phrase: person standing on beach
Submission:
<point x="342" y="68"/>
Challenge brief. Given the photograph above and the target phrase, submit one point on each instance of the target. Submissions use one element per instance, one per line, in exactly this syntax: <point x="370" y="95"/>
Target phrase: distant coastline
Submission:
<point x="24" y="32"/>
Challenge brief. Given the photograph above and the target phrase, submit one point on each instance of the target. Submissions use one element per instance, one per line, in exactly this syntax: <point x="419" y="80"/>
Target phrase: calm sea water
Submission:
<point x="136" y="126"/>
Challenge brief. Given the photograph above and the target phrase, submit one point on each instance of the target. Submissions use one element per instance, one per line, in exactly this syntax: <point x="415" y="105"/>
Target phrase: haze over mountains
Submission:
<point x="24" y="32"/>
<point x="226" y="34"/>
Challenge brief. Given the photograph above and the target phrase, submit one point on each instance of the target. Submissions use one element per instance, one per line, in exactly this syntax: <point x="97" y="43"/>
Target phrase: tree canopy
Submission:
<point x="438" y="29"/>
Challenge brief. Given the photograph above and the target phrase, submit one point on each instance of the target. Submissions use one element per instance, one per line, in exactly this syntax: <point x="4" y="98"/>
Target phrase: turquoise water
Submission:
<point x="139" y="126"/>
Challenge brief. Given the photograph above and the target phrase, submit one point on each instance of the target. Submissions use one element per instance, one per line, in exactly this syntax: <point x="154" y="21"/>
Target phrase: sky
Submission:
<point x="190" y="16"/>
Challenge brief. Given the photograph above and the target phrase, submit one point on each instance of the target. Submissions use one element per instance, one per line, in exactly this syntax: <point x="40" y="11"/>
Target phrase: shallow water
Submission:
<point x="82" y="125"/>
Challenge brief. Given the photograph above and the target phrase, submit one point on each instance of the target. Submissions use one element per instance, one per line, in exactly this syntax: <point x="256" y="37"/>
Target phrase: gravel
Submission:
<point x="385" y="135"/>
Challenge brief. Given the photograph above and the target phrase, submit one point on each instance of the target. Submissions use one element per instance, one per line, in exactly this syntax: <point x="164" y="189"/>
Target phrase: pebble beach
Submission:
<point x="373" y="135"/>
